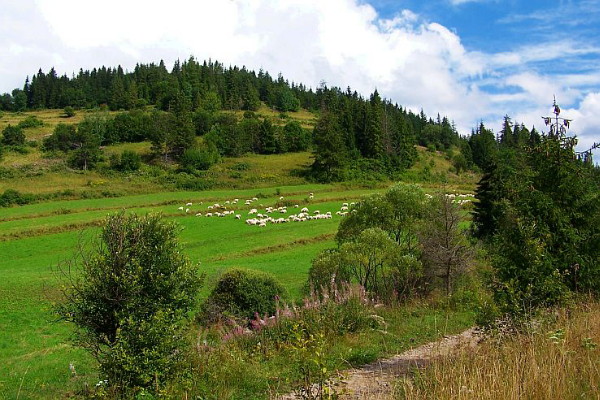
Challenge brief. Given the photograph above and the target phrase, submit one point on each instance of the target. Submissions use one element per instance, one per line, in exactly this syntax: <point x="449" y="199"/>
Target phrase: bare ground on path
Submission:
<point x="376" y="380"/>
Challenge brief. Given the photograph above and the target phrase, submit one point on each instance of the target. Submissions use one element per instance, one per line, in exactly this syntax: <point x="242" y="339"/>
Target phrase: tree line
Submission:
<point x="353" y="133"/>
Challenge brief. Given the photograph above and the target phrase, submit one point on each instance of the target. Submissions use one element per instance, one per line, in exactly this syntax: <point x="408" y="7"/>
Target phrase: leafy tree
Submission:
<point x="286" y="100"/>
<point x="19" y="100"/>
<point x="375" y="261"/>
<point x="129" y="161"/>
<point x="296" y="137"/>
<point x="397" y="212"/>
<point x="129" y="299"/>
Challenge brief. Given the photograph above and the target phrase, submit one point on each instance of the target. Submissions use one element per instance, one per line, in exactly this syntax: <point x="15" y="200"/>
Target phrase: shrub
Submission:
<point x="129" y="298"/>
<point x="11" y="197"/>
<point x="30" y="121"/>
<point x="130" y="161"/>
<point x="199" y="159"/>
<point x="13" y="136"/>
<point x="69" y="111"/>
<point x="242" y="293"/>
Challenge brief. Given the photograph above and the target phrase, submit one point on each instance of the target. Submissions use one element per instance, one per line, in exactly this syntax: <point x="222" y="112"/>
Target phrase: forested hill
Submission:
<point x="351" y="129"/>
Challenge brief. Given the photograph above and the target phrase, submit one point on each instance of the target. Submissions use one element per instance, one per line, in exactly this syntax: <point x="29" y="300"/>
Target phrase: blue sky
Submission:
<point x="471" y="60"/>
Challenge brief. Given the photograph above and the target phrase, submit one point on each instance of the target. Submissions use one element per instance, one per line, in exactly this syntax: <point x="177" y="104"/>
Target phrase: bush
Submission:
<point x="130" y="161"/>
<point x="241" y="293"/>
<point x="69" y="112"/>
<point x="129" y="299"/>
<point x="199" y="159"/>
<point x="11" y="197"/>
<point x="13" y="136"/>
<point x="30" y="122"/>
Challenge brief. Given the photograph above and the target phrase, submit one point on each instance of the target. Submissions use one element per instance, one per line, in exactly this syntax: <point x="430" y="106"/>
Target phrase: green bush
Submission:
<point x="69" y="111"/>
<point x="199" y="159"/>
<point x="241" y="293"/>
<point x="130" y="161"/>
<point x="11" y="197"/>
<point x="13" y="136"/>
<point x="129" y="298"/>
<point x="30" y="121"/>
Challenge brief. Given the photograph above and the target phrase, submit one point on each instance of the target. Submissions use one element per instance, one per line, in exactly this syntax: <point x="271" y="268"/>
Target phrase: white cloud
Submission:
<point x="414" y="62"/>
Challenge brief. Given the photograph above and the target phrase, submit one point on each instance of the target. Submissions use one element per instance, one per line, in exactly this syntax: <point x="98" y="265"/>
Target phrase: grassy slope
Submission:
<point x="34" y="349"/>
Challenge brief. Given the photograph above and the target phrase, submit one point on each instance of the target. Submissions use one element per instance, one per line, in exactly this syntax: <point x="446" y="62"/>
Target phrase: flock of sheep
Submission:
<point x="261" y="219"/>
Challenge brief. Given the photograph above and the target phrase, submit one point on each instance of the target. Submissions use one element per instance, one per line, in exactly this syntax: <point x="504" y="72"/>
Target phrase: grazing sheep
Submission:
<point x="304" y="210"/>
<point x="180" y="208"/>
<point x="198" y="214"/>
<point x="238" y="216"/>
<point x="187" y="210"/>
<point x="188" y="204"/>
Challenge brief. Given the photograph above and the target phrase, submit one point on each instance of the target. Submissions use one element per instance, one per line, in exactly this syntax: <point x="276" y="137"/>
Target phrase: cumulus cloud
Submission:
<point x="412" y="61"/>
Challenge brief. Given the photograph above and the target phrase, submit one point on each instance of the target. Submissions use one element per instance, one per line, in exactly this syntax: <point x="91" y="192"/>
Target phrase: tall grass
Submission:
<point x="560" y="360"/>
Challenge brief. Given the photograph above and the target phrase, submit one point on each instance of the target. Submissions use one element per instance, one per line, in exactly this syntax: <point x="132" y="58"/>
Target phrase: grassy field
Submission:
<point x="35" y="352"/>
<point x="34" y="348"/>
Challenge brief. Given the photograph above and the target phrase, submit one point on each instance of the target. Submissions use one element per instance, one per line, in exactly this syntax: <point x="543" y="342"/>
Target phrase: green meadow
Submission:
<point x="35" y="350"/>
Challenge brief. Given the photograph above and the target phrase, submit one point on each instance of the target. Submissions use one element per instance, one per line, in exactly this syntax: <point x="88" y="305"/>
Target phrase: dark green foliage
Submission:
<point x="129" y="300"/>
<point x="295" y="137"/>
<point x="242" y="293"/>
<point x="13" y="136"/>
<point x="538" y="210"/>
<point x="14" y="197"/>
<point x="330" y="151"/>
<point x="285" y="100"/>
<point x="484" y="149"/>
<point x="62" y="138"/>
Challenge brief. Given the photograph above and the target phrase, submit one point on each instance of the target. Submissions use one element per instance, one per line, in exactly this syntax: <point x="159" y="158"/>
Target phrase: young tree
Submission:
<point x="129" y="298"/>
<point x="445" y="249"/>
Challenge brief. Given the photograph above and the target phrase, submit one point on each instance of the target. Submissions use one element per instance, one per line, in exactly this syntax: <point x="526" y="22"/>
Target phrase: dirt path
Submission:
<point x="375" y="380"/>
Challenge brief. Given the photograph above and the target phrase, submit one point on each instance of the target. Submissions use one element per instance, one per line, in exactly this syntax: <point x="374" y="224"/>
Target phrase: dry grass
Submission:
<point x="559" y="361"/>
